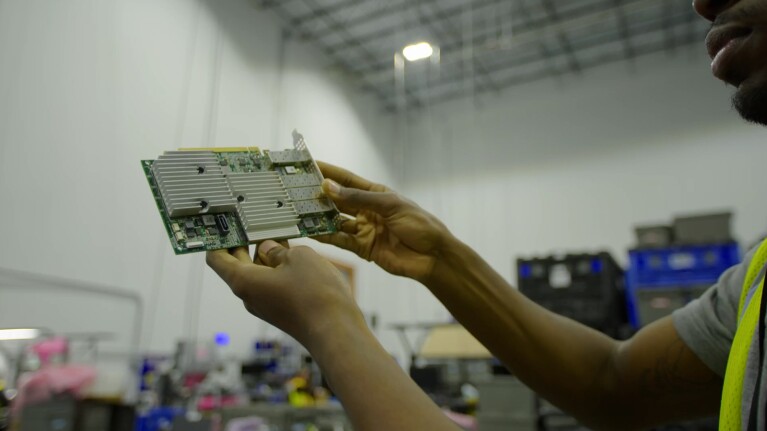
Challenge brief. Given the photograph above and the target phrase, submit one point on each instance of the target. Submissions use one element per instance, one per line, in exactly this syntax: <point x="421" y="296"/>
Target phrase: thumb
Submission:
<point x="347" y="198"/>
<point x="271" y="253"/>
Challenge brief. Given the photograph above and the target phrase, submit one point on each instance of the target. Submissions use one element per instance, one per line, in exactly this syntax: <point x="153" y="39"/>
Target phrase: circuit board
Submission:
<point x="221" y="198"/>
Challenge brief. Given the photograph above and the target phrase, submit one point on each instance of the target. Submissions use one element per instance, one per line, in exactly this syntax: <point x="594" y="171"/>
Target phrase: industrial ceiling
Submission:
<point x="483" y="46"/>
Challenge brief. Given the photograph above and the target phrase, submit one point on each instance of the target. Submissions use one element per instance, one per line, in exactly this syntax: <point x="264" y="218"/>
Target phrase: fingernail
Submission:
<point x="333" y="187"/>
<point x="266" y="247"/>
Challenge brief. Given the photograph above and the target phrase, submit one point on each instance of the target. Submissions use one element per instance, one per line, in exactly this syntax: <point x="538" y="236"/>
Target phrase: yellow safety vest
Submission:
<point x="731" y="413"/>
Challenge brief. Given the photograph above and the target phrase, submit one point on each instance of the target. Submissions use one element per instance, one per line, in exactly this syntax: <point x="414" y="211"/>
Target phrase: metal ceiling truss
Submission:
<point x="484" y="45"/>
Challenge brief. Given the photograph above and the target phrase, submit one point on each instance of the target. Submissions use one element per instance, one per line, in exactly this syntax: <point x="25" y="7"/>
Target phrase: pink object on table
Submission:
<point x="212" y="402"/>
<point x="41" y="385"/>
<point x="50" y="347"/>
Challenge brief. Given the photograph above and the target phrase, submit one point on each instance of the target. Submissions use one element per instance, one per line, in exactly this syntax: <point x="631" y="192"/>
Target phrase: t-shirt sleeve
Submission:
<point x="708" y="324"/>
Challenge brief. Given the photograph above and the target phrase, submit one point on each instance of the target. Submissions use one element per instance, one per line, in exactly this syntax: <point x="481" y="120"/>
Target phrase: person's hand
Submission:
<point x="387" y="229"/>
<point x="294" y="289"/>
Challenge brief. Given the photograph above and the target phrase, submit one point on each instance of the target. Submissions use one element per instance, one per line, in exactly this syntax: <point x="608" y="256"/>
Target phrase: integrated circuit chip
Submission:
<point x="208" y="220"/>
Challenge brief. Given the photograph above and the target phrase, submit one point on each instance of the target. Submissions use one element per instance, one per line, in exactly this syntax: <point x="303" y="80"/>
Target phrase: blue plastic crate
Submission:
<point x="680" y="265"/>
<point x="158" y="419"/>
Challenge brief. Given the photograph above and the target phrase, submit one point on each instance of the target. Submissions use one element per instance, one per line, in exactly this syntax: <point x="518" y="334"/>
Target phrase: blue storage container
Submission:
<point x="158" y="419"/>
<point x="681" y="265"/>
<point x="684" y="269"/>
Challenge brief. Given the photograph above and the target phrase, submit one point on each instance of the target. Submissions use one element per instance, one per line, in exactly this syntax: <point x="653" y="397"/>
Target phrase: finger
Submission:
<point x="237" y="274"/>
<point x="341" y="240"/>
<point x="223" y="263"/>
<point x="257" y="259"/>
<point x="249" y="308"/>
<point x="344" y="207"/>
<point x="348" y="226"/>
<point x="352" y="199"/>
<point x="241" y="253"/>
<point x="272" y="253"/>
<point x="345" y="178"/>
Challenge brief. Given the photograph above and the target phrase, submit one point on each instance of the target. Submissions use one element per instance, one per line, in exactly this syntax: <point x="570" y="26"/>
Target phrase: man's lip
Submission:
<point x="718" y="38"/>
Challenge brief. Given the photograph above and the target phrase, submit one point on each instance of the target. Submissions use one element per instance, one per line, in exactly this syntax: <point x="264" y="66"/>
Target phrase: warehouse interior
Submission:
<point x="541" y="133"/>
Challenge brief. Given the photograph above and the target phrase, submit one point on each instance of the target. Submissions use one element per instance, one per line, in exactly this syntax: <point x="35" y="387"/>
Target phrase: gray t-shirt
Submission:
<point x="708" y="325"/>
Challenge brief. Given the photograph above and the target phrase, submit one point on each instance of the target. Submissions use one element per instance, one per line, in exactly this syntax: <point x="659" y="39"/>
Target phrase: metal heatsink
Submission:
<point x="192" y="183"/>
<point x="265" y="208"/>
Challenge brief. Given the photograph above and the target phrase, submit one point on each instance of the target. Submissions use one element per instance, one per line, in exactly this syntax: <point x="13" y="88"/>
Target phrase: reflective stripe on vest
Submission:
<point x="731" y="413"/>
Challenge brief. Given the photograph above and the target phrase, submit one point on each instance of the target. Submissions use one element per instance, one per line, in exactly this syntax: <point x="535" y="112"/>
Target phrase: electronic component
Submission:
<point x="290" y="156"/>
<point x="314" y="206"/>
<point x="195" y="244"/>
<point x="191" y="183"/>
<point x="301" y="180"/>
<point x="305" y="193"/>
<point x="239" y="195"/>
<point x="208" y="220"/>
<point x="223" y="224"/>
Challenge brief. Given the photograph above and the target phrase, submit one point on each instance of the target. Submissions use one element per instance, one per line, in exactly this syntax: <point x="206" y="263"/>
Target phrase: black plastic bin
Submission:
<point x="588" y="288"/>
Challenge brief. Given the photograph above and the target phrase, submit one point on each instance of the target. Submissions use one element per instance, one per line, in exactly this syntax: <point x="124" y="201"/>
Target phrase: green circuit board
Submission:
<point x="221" y="198"/>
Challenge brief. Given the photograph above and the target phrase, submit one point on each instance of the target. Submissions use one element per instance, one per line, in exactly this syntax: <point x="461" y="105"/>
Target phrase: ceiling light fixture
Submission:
<point x="19" y="334"/>
<point x="418" y="51"/>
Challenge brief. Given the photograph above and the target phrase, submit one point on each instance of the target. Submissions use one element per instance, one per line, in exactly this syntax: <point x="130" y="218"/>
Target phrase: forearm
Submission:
<point x="569" y="364"/>
<point x="374" y="391"/>
<point x="652" y="378"/>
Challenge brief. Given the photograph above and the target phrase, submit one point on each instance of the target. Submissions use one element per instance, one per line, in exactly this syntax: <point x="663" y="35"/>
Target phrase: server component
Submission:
<point x="231" y="197"/>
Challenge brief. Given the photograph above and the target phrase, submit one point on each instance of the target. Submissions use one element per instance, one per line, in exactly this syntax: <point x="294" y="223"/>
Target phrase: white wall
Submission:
<point x="573" y="165"/>
<point x="89" y="88"/>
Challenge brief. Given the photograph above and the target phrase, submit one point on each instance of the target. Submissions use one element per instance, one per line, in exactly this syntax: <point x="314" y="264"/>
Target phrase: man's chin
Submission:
<point x="751" y="102"/>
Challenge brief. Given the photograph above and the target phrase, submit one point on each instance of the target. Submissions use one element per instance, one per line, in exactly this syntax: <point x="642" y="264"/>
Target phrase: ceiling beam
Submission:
<point x="669" y="29"/>
<point x="623" y="28"/>
<point x="412" y="22"/>
<point x="315" y="15"/>
<point x="268" y="4"/>
<point x="511" y="63"/>
<point x="524" y="37"/>
<point x="364" y="85"/>
<point x="449" y="28"/>
<point x="564" y="41"/>
<point x="533" y="76"/>
<point x="542" y="49"/>
<point x="523" y="28"/>
<point x="355" y="44"/>
<point x="392" y="8"/>
<point x="491" y="55"/>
